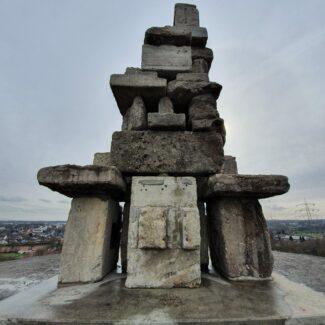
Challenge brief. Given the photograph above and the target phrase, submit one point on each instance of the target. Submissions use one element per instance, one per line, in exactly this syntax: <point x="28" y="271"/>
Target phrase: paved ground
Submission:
<point x="18" y="275"/>
<point x="306" y="269"/>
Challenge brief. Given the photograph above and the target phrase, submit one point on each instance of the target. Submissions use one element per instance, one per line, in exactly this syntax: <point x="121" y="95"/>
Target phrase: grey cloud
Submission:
<point x="12" y="199"/>
<point x="63" y="201"/>
<point x="45" y="200"/>
<point x="276" y="207"/>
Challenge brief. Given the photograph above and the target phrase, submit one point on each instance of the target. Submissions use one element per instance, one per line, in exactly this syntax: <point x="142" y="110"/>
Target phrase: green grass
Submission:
<point x="316" y="235"/>
<point x="9" y="256"/>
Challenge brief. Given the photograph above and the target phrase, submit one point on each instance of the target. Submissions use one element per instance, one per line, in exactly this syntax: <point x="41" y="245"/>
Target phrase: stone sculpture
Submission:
<point x="183" y="199"/>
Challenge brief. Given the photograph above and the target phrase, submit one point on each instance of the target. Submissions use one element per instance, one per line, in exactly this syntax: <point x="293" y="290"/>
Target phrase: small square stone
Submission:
<point x="152" y="228"/>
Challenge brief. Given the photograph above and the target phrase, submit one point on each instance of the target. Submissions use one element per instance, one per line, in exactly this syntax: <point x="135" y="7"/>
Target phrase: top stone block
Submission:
<point x="186" y="15"/>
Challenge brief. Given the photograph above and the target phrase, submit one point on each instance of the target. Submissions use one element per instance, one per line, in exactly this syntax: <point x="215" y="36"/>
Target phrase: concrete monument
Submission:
<point x="183" y="198"/>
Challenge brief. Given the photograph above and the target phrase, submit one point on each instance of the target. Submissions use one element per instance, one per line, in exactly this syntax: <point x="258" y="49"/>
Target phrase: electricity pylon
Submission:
<point x="308" y="209"/>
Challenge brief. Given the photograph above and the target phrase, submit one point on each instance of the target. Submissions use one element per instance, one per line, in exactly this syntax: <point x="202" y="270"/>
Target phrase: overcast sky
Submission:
<point x="56" y="57"/>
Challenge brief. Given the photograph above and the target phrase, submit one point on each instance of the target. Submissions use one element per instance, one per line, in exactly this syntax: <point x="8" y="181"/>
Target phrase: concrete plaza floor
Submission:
<point x="217" y="301"/>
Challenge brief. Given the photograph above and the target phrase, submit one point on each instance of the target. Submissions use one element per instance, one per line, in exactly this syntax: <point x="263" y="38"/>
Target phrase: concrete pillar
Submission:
<point x="164" y="233"/>
<point x="91" y="240"/>
<point x="240" y="246"/>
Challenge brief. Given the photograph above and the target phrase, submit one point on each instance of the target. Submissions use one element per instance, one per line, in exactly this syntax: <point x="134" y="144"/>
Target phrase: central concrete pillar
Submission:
<point x="164" y="233"/>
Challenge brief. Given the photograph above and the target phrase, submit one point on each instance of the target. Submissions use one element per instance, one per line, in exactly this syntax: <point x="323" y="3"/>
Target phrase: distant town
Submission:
<point x="19" y="239"/>
<point x="29" y="238"/>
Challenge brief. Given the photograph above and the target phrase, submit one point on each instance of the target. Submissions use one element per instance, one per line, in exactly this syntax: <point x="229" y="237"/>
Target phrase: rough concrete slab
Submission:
<point x="229" y="166"/>
<point x="199" y="36"/>
<point x="203" y="115"/>
<point x="187" y="86"/>
<point x="256" y="186"/>
<point x="186" y="15"/>
<point x="280" y="302"/>
<point x="167" y="60"/>
<point x="168" y="35"/>
<point x="164" y="233"/>
<point x="91" y="240"/>
<point x="178" y="153"/>
<point x="153" y="191"/>
<point x="134" y="82"/>
<point x="200" y="66"/>
<point x="203" y="107"/>
<point x="165" y="106"/>
<point x="176" y="35"/>
<point x="166" y="121"/>
<point x="102" y="159"/>
<point x="135" y="117"/>
<point x="77" y="181"/>
<point x="202" y="53"/>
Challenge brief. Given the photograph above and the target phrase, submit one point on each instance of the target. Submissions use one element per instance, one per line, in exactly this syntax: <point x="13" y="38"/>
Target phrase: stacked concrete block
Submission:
<point x="171" y="222"/>
<point x="164" y="233"/>
<point x="102" y="159"/>
<point x="166" y="119"/>
<point x="240" y="246"/>
<point x="135" y="117"/>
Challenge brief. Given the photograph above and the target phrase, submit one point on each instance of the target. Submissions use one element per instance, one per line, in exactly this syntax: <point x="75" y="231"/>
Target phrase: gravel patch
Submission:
<point x="306" y="269"/>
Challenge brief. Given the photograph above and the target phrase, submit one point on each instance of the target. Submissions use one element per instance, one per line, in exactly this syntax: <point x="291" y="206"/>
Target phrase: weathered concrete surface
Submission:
<point x="240" y="246"/>
<point x="199" y="36"/>
<point x="165" y="105"/>
<point x="91" y="240"/>
<point x="203" y="115"/>
<point x="124" y="236"/>
<point x="77" y="181"/>
<point x="280" y="302"/>
<point x="229" y="166"/>
<point x="189" y="85"/>
<point x="203" y="107"/>
<point x="176" y="35"/>
<point x="135" y="117"/>
<point x="133" y="83"/>
<point x="200" y="66"/>
<point x="167" y="60"/>
<point x="202" y="53"/>
<point x="204" y="237"/>
<point x="255" y="186"/>
<point x="166" y="121"/>
<point x="102" y="159"/>
<point x="164" y="233"/>
<point x="177" y="153"/>
<point x="186" y="15"/>
<point x="168" y="35"/>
